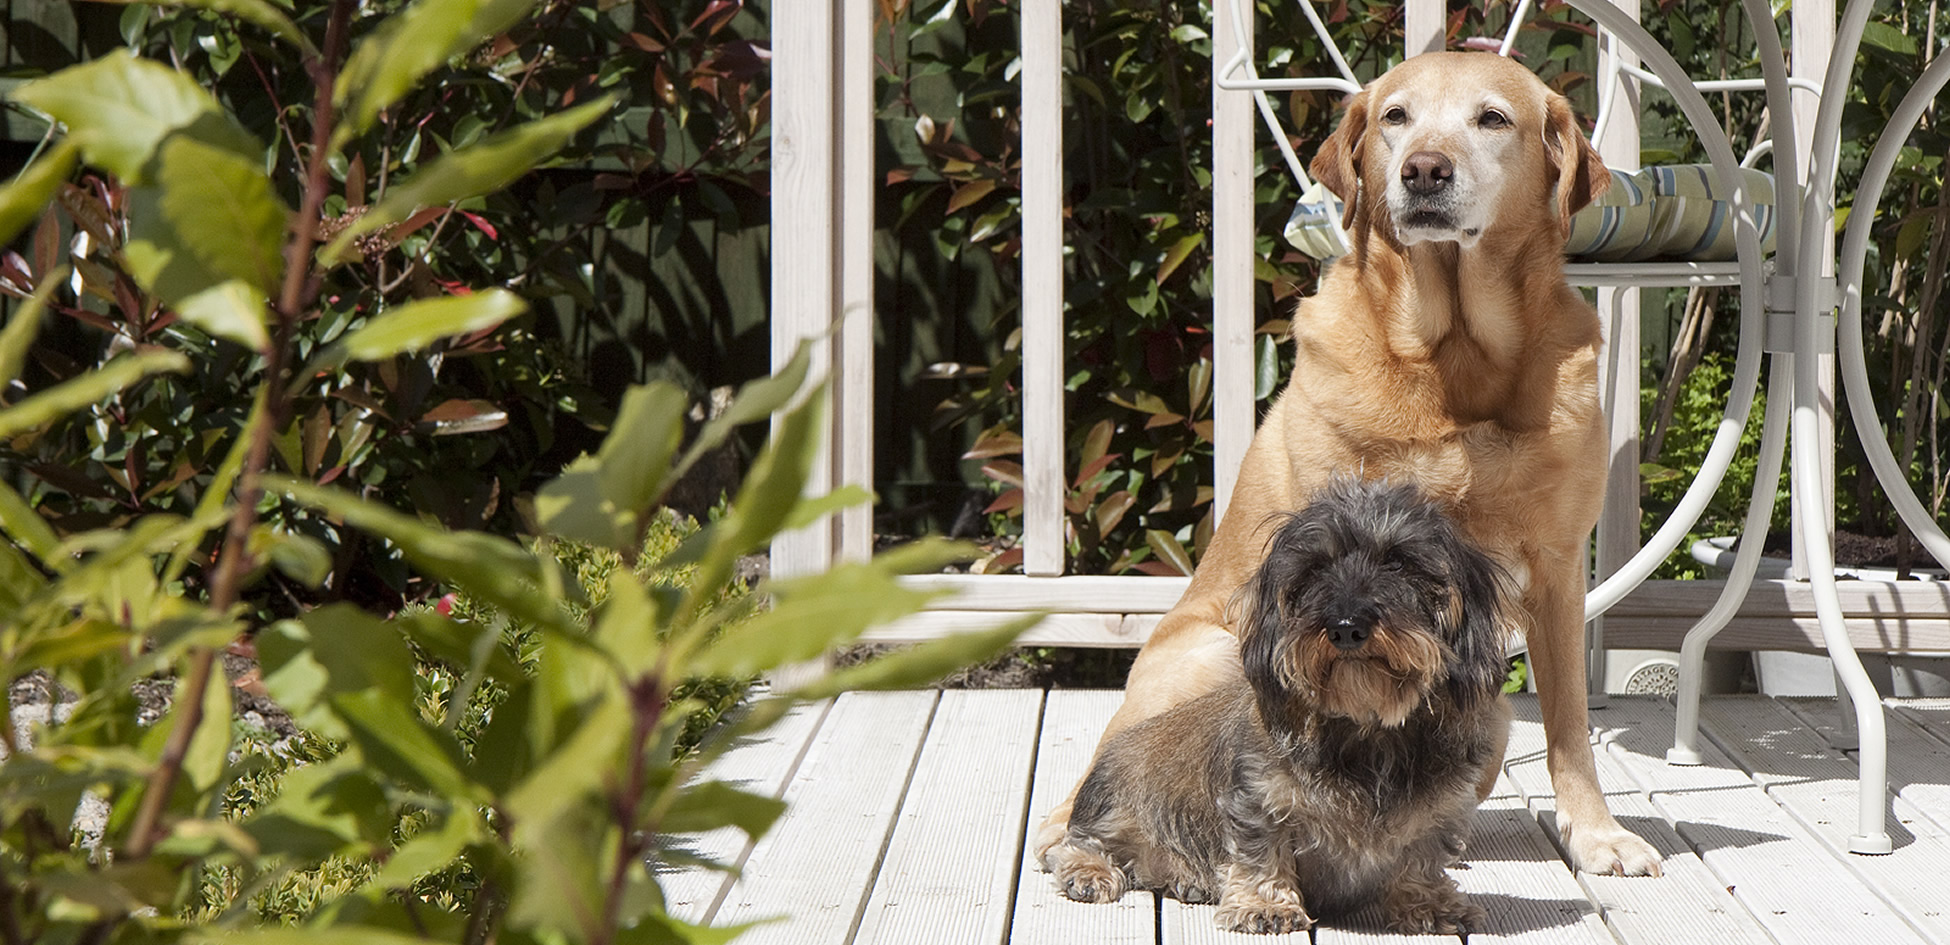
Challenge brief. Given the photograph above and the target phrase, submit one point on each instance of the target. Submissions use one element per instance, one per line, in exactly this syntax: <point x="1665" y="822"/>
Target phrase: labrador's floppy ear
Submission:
<point x="1338" y="163"/>
<point x="1581" y="174"/>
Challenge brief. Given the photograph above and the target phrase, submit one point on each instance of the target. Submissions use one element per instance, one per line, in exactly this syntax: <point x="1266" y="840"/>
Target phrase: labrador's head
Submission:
<point x="1449" y="146"/>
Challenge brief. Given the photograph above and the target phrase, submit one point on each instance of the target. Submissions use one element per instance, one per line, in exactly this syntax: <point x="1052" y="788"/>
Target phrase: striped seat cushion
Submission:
<point x="1674" y="213"/>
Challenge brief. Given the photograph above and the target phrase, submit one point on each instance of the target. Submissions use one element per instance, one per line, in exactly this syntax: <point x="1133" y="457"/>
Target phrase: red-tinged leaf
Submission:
<point x="715" y="16"/>
<point x="995" y="442"/>
<point x="1003" y="562"/>
<point x="355" y="182"/>
<point x="1166" y="457"/>
<point x="1091" y="469"/>
<point x="47" y="242"/>
<point x="463" y="416"/>
<point x="1203" y="429"/>
<point x="331" y="475"/>
<point x="15" y="274"/>
<point x="1156" y="568"/>
<point x="1097" y="441"/>
<point x="1169" y="550"/>
<point x="899" y="175"/>
<point x="644" y="43"/>
<point x="1139" y="401"/>
<point x="971" y="193"/>
<point x="1111" y="512"/>
<point x="1178" y="254"/>
<point x="1163" y="420"/>
<point x="1004" y="471"/>
<point x="1010" y="501"/>
<point x="481" y="223"/>
<point x="415" y="222"/>
<point x="317" y="436"/>
<point x="743" y="60"/>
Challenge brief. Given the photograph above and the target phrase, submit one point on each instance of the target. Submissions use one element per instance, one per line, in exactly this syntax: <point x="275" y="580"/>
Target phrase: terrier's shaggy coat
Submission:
<point x="1344" y="770"/>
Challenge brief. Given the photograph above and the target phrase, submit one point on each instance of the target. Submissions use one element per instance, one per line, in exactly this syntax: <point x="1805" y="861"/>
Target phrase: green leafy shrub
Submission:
<point x="460" y="803"/>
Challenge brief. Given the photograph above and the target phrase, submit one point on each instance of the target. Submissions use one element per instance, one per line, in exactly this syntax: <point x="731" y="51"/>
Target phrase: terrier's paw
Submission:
<point x="1609" y="848"/>
<point x="1263" y="917"/>
<point x="1085" y="875"/>
<point x="1447" y="915"/>
<point x="1261" y="905"/>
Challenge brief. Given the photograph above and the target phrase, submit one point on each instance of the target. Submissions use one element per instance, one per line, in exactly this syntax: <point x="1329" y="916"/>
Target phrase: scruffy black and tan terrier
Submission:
<point x="1345" y="769"/>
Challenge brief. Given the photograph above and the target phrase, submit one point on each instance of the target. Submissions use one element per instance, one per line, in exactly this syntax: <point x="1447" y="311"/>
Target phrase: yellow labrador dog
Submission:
<point x="1446" y="351"/>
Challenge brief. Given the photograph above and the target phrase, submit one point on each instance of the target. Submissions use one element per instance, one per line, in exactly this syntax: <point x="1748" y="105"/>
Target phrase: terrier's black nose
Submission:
<point x="1348" y="633"/>
<point x="1426" y="172"/>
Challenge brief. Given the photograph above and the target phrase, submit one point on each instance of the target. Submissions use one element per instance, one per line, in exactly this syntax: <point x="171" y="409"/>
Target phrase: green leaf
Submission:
<point x="162" y="261"/>
<point x="1266" y="367"/>
<point x="209" y="749"/>
<point x="337" y="648"/>
<point x="416" y="325"/>
<point x="233" y="310"/>
<point x="393" y="740"/>
<point x="22" y="199"/>
<point x="89" y="388"/>
<point x="26" y="527"/>
<point x="302" y="935"/>
<point x="813" y="614"/>
<point x="222" y="207"/>
<point x="921" y="664"/>
<point x="1884" y="36"/>
<point x="626" y="628"/>
<point x="1177" y="255"/>
<point x="258" y="12"/>
<point x="585" y="762"/>
<point x="573" y="506"/>
<point x="77" y="642"/>
<point x="499" y="572"/>
<point x="321" y="808"/>
<point x="1168" y="549"/>
<point x="20" y="582"/>
<point x="119" y="108"/>
<point x="634" y="461"/>
<point x="407" y="46"/>
<point x="430" y="850"/>
<point x="709" y="805"/>
<point x="484" y="168"/>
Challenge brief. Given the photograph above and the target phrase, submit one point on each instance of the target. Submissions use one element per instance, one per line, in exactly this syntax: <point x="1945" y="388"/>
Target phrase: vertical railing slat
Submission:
<point x="1233" y="320"/>
<point x="1425" y="26"/>
<point x="805" y="233"/>
<point x="1042" y="287"/>
<point x="854" y="381"/>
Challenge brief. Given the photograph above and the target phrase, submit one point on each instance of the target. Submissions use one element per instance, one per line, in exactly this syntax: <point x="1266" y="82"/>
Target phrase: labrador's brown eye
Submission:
<point x="1491" y="118"/>
<point x="1395" y="115"/>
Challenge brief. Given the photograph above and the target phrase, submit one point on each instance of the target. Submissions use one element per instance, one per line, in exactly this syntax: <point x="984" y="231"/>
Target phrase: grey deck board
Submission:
<point x="1687" y="903"/>
<point x="910" y="813"/>
<point x="1072" y="722"/>
<point x="1773" y="864"/>
<point x="819" y="861"/>
<point x="949" y="874"/>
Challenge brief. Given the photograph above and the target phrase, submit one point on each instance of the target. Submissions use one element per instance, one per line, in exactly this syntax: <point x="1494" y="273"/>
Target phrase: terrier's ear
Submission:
<point x="1581" y="174"/>
<point x="1478" y="625"/>
<point x="1337" y="165"/>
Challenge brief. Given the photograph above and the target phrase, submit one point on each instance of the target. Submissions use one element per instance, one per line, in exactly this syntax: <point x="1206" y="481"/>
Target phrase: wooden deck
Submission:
<point x="908" y="813"/>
